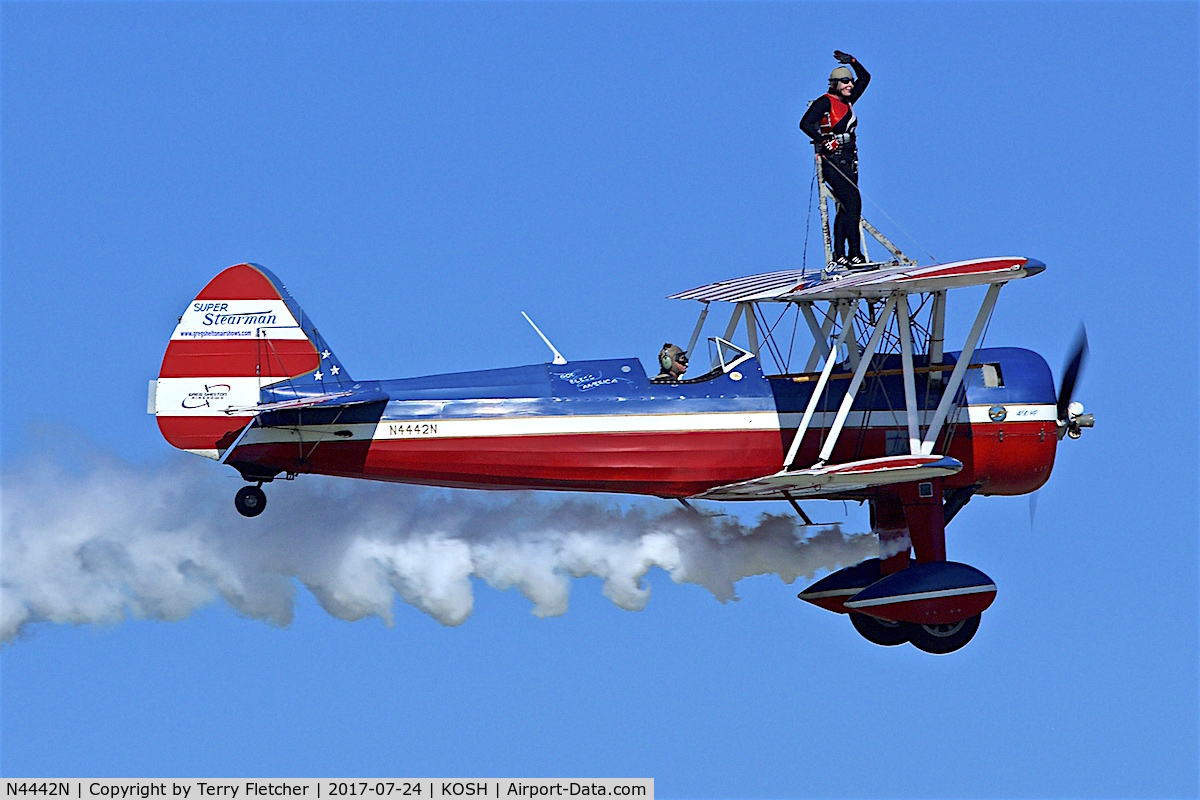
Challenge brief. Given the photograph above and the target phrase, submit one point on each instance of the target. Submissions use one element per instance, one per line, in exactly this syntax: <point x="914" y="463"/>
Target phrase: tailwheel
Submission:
<point x="941" y="639"/>
<point x="879" y="631"/>
<point x="250" y="501"/>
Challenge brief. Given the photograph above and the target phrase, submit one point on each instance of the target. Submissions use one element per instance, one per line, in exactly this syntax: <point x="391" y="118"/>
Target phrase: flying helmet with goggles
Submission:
<point x="670" y="354"/>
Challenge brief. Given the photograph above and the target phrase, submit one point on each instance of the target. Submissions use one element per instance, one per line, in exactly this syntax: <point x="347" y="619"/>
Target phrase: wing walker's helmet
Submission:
<point x="669" y="354"/>
<point x="839" y="73"/>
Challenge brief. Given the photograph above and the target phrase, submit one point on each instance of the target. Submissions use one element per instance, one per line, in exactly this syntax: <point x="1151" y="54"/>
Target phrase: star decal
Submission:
<point x="325" y="354"/>
<point x="318" y="376"/>
<point x="335" y="369"/>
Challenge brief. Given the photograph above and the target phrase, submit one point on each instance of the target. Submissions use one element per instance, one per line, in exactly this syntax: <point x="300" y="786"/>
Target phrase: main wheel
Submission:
<point x="879" y="631"/>
<point x="250" y="501"/>
<point x="941" y="639"/>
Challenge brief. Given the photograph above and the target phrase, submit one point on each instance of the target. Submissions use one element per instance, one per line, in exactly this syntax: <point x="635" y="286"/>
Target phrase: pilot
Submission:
<point x="672" y="362"/>
<point x="830" y="123"/>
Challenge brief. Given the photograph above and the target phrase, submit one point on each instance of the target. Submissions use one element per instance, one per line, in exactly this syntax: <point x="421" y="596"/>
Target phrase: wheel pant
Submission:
<point x="841" y="173"/>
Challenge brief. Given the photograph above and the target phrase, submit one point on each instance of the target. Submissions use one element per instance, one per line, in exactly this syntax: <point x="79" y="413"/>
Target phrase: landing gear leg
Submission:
<point x="879" y="631"/>
<point x="942" y="639"/>
<point x="250" y="501"/>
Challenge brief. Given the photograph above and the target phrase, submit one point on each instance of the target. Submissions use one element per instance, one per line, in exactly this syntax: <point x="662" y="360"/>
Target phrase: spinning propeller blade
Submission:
<point x="1071" y="372"/>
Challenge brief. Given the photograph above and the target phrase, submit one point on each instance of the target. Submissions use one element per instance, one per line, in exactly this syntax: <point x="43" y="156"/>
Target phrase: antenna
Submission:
<point x="558" y="357"/>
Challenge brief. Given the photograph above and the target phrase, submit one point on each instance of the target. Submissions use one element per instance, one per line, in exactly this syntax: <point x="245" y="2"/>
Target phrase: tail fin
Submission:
<point x="242" y="334"/>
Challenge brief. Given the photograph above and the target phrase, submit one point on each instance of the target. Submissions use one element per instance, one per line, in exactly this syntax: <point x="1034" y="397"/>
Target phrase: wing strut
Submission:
<point x="229" y="450"/>
<point x="960" y="369"/>
<point x="738" y="310"/>
<point x="910" y="384"/>
<point x="848" y="310"/>
<point x="937" y="334"/>
<point x="856" y="382"/>
<point x="696" y="333"/>
<point x="751" y="329"/>
<point x="820" y="333"/>
<point x="796" y="506"/>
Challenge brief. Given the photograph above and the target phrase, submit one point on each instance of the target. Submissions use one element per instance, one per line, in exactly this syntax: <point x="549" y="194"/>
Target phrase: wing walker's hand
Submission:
<point x="829" y="145"/>
<point x="844" y="58"/>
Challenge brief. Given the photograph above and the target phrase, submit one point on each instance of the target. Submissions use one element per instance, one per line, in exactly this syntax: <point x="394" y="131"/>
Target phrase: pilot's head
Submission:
<point x="672" y="360"/>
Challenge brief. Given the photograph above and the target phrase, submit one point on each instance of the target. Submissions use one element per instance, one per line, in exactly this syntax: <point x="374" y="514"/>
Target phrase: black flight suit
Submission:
<point x="831" y="117"/>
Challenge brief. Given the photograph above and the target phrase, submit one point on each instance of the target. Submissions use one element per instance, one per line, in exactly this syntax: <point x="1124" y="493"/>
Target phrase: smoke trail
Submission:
<point x="114" y="539"/>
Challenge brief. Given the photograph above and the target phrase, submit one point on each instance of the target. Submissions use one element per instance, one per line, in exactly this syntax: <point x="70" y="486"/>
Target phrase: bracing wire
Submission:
<point x="808" y="224"/>
<point x="792" y="343"/>
<point x="911" y="238"/>
<point x="769" y="338"/>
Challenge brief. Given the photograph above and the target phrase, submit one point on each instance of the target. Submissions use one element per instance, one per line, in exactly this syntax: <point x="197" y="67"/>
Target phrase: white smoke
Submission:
<point x="112" y="540"/>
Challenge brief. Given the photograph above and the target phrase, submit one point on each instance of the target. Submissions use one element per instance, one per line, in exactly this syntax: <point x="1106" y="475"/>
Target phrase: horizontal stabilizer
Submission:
<point x="833" y="480"/>
<point x="331" y="400"/>
<point x="321" y="408"/>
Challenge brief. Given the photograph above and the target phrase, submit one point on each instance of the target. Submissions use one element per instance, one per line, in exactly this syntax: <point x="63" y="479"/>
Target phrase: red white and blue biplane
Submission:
<point x="878" y="411"/>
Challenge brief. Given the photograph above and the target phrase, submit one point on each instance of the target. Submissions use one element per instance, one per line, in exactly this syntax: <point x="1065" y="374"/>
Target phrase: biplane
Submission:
<point x="875" y="410"/>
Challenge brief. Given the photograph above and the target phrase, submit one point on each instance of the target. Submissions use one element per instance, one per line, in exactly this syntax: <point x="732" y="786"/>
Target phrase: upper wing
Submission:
<point x="752" y="288"/>
<point x="933" y="278"/>
<point x="792" y="285"/>
<point x="835" y="480"/>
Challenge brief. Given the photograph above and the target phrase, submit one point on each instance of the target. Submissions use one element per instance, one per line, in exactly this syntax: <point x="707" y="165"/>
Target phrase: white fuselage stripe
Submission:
<point x="885" y="418"/>
<point x="1014" y="412"/>
<point x="434" y="427"/>
<point x="444" y="428"/>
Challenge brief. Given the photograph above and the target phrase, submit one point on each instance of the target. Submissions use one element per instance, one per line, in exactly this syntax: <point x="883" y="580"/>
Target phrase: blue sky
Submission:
<point x="418" y="175"/>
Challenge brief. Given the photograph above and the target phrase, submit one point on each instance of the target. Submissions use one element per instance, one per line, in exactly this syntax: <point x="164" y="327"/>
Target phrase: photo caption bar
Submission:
<point x="322" y="788"/>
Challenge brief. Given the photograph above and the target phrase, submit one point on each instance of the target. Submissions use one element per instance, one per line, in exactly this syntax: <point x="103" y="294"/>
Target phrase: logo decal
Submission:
<point x="237" y="319"/>
<point x="215" y="393"/>
<point x="586" y="381"/>
<point x="997" y="413"/>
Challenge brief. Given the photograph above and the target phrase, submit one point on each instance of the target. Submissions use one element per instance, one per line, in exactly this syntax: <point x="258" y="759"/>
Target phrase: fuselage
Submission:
<point x="604" y="426"/>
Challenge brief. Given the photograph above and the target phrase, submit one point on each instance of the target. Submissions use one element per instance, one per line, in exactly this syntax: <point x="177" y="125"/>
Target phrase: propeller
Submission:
<point x="1071" y="372"/>
<point x="1070" y="413"/>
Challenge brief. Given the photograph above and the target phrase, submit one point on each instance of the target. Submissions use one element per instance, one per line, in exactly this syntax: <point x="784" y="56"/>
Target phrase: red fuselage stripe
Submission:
<point x="676" y="464"/>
